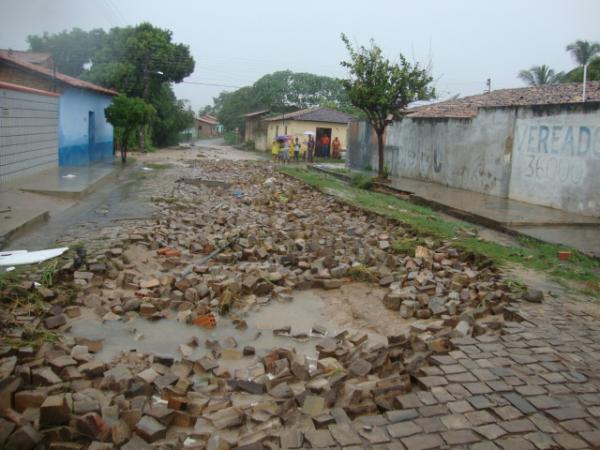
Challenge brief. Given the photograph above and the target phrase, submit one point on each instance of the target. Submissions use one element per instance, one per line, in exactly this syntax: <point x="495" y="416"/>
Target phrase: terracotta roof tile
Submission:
<point x="315" y="115"/>
<point x="71" y="81"/>
<point x="468" y="107"/>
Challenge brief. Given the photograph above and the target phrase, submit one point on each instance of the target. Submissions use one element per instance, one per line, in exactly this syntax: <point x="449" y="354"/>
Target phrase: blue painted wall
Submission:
<point x="73" y="143"/>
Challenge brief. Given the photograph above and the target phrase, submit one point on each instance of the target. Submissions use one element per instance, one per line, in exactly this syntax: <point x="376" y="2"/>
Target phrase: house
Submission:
<point x="538" y="144"/>
<point x="84" y="135"/>
<point x="38" y="58"/>
<point x="207" y="125"/>
<point x="317" y="121"/>
<point x="28" y="131"/>
<point x="255" y="129"/>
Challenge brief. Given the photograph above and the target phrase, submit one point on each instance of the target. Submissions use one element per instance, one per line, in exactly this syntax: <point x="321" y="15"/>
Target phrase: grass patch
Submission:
<point x="407" y="246"/>
<point x="320" y="159"/>
<point x="580" y="270"/>
<point x="362" y="273"/>
<point x="157" y="166"/>
<point x="361" y="181"/>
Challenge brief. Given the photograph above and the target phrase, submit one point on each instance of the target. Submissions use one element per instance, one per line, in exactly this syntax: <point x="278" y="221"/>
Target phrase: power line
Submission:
<point x="212" y="84"/>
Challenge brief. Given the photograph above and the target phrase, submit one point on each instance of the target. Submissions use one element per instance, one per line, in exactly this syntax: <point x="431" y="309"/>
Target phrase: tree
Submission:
<point x="381" y="88"/>
<point x="138" y="60"/>
<point x="172" y="117"/>
<point x="281" y="91"/>
<point x="70" y="50"/>
<point x="583" y="51"/>
<point x="576" y="75"/>
<point x="128" y="115"/>
<point x="540" y="75"/>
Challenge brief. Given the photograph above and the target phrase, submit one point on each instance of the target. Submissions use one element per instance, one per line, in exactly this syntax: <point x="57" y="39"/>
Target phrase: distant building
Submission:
<point x="318" y="121"/>
<point x="207" y="125"/>
<point x="255" y="129"/>
<point x="84" y="135"/>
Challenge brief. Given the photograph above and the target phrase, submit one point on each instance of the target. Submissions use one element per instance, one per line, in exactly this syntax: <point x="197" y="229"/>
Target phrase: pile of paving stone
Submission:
<point x="223" y="243"/>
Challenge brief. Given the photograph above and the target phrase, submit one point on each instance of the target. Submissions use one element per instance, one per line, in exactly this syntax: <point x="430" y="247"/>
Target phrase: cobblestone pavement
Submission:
<point x="537" y="386"/>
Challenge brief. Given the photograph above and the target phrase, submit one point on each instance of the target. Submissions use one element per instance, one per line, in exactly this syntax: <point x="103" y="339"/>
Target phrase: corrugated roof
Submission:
<point x="71" y="81"/>
<point x="467" y="107"/>
<point x="315" y="115"/>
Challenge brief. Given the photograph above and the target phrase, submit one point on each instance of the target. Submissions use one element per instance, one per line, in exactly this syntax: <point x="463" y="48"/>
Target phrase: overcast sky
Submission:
<point x="236" y="42"/>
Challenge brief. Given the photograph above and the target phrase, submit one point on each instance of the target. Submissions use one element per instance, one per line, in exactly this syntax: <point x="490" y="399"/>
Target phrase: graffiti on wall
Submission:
<point x="420" y="160"/>
<point x="557" y="153"/>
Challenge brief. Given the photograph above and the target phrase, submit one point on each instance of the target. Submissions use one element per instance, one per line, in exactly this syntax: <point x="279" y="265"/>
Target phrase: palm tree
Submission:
<point x="583" y="51"/>
<point x="540" y="75"/>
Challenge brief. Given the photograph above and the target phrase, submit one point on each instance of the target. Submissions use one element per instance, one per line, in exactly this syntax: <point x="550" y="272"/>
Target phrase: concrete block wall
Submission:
<point x="28" y="133"/>
<point x="545" y="155"/>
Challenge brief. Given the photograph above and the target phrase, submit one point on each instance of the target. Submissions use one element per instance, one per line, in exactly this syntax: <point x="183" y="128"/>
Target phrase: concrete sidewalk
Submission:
<point x="547" y="224"/>
<point x="30" y="200"/>
<point x="512" y="216"/>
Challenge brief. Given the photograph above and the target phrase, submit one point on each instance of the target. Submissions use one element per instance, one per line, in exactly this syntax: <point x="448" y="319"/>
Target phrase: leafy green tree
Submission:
<point x="70" y="50"/>
<point x="128" y="115"/>
<point x="583" y="51"/>
<point x="540" y="75"/>
<point x="381" y="88"/>
<point x="281" y="91"/>
<point x="172" y="117"/>
<point x="576" y="75"/>
<point x="138" y="61"/>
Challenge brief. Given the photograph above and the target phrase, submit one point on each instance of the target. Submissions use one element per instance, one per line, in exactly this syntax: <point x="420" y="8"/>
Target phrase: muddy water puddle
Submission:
<point x="164" y="336"/>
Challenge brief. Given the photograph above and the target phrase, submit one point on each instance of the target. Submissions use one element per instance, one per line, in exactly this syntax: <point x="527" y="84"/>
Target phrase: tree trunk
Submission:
<point x="124" y="147"/>
<point x="142" y="138"/>
<point x="380" y="168"/>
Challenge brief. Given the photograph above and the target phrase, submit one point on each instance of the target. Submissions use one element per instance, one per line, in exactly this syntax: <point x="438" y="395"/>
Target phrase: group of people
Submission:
<point x="287" y="149"/>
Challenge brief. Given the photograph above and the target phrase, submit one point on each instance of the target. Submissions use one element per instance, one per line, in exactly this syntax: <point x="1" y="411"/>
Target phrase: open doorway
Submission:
<point x="91" y="135"/>
<point x="323" y="141"/>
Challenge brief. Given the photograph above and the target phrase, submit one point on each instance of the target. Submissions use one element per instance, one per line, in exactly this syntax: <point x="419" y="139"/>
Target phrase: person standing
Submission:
<point x="311" y="148"/>
<point x="285" y="153"/>
<point x="324" y="145"/>
<point x="336" y="148"/>
<point x="275" y="150"/>
<point x="297" y="151"/>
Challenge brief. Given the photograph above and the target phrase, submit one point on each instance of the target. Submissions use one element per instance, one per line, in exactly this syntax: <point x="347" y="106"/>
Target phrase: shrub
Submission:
<point x="361" y="181"/>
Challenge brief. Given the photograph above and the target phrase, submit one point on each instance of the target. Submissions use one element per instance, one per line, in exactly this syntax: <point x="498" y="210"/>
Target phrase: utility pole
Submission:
<point x="584" y="81"/>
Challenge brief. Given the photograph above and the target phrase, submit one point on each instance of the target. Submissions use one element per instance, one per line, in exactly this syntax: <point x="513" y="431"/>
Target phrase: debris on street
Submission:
<point x="208" y="260"/>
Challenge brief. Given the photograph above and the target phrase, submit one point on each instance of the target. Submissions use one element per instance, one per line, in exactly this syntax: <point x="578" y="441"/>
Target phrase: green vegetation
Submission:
<point x="321" y="160"/>
<point x="540" y="75"/>
<point x="361" y="181"/>
<point x="381" y="89"/>
<point x="583" y="52"/>
<point x="48" y="273"/>
<point x="137" y="61"/>
<point x="158" y="166"/>
<point x="362" y="273"/>
<point x="580" y="271"/>
<point x="279" y="92"/>
<point x="129" y="115"/>
<point x="231" y="138"/>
